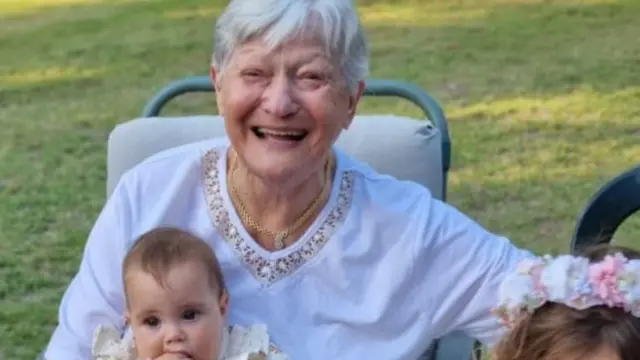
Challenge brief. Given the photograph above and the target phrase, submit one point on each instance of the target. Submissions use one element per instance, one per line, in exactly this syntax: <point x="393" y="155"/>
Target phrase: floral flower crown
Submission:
<point x="573" y="281"/>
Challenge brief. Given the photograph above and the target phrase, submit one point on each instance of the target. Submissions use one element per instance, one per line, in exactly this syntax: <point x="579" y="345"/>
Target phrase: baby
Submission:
<point x="573" y="308"/>
<point x="176" y="306"/>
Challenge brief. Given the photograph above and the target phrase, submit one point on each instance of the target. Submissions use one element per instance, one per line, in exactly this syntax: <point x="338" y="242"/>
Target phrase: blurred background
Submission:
<point x="543" y="99"/>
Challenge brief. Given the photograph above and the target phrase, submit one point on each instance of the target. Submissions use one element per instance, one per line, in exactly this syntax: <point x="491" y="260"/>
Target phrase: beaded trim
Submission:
<point x="269" y="271"/>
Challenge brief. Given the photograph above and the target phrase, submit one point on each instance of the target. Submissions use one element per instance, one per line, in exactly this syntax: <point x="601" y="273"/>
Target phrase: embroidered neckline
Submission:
<point x="265" y="270"/>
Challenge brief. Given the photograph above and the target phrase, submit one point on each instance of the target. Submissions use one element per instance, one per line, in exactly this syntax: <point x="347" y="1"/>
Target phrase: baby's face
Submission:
<point x="184" y="317"/>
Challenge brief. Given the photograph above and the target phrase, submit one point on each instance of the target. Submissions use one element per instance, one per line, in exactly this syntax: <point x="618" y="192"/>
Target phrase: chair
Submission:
<point x="607" y="210"/>
<point x="406" y="148"/>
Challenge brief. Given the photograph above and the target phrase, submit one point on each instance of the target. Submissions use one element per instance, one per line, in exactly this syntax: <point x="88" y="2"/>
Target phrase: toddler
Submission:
<point x="176" y="306"/>
<point x="572" y="307"/>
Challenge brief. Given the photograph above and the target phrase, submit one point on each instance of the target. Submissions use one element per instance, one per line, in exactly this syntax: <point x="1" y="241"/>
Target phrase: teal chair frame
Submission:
<point x="607" y="210"/>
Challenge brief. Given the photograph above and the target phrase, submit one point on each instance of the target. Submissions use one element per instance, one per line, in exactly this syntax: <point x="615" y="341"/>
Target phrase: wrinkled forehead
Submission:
<point x="295" y="50"/>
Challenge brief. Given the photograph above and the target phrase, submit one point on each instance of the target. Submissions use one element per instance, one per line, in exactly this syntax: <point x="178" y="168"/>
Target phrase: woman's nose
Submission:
<point x="279" y="98"/>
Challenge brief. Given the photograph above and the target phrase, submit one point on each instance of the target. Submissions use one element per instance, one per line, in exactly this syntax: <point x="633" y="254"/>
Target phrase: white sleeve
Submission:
<point x="95" y="295"/>
<point x="459" y="266"/>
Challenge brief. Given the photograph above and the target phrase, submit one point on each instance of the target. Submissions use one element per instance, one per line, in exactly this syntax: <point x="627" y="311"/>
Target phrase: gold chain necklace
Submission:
<point x="279" y="236"/>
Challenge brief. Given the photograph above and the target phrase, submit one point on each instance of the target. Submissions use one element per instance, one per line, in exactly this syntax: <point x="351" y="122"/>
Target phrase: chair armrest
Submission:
<point x="455" y="346"/>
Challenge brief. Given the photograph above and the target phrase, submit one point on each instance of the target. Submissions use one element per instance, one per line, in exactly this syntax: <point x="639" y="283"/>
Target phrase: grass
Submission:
<point x="543" y="99"/>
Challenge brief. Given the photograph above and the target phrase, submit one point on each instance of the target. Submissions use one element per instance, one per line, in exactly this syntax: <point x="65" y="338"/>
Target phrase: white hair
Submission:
<point x="336" y="22"/>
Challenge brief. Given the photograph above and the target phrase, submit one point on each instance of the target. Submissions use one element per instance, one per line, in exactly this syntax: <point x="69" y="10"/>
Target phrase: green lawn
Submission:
<point x="543" y="99"/>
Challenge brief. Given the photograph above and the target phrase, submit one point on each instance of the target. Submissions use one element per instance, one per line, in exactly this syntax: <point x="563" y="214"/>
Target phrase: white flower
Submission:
<point x="633" y="266"/>
<point x="555" y="277"/>
<point x="527" y="265"/>
<point x="630" y="274"/>
<point x="515" y="290"/>
<point x="629" y="283"/>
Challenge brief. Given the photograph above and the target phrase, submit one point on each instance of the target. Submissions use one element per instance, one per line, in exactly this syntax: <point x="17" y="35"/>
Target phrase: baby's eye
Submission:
<point x="151" y="321"/>
<point x="190" y="314"/>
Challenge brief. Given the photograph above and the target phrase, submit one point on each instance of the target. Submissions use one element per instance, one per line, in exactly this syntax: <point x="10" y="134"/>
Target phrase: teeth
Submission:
<point x="281" y="133"/>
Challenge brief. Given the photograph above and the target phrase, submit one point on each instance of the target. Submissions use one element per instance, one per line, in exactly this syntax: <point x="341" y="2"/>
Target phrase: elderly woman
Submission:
<point x="339" y="261"/>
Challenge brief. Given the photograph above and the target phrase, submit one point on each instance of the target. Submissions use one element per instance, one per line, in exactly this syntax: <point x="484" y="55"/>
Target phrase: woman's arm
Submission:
<point x="459" y="266"/>
<point x="95" y="295"/>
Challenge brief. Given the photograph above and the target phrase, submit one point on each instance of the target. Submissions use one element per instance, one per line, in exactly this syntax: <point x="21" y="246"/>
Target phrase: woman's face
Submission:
<point x="284" y="108"/>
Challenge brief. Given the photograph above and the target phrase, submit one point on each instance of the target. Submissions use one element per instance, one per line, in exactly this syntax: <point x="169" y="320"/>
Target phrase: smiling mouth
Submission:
<point x="287" y="135"/>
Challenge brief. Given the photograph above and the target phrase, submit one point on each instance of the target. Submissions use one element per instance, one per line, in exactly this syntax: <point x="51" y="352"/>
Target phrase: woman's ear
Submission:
<point x="214" y="75"/>
<point x="354" y="100"/>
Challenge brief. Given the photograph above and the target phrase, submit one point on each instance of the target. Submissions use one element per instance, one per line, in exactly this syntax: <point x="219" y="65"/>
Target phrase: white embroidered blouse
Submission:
<point x="384" y="269"/>
<point x="238" y="343"/>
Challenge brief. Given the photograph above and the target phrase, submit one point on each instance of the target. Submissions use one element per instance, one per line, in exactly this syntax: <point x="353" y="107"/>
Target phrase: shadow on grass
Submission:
<point x="17" y="89"/>
<point x="516" y="50"/>
<point x="140" y="40"/>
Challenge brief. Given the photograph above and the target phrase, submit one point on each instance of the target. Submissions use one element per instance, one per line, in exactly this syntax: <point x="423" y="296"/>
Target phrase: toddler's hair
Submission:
<point x="160" y="250"/>
<point x="558" y="332"/>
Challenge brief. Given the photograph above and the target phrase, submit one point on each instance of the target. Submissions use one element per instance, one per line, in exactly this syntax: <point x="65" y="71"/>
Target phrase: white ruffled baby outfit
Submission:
<point x="238" y="343"/>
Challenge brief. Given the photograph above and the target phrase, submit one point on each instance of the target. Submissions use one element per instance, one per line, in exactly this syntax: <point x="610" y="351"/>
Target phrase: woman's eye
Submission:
<point x="311" y="80"/>
<point x="151" y="321"/>
<point x="312" y="76"/>
<point x="253" y="73"/>
<point x="190" y="314"/>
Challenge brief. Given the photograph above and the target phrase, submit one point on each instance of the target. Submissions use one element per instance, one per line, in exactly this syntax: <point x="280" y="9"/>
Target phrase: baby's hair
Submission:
<point x="559" y="332"/>
<point x="160" y="250"/>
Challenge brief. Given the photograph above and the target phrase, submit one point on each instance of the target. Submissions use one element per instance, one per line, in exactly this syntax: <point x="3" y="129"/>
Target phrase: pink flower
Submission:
<point x="604" y="278"/>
